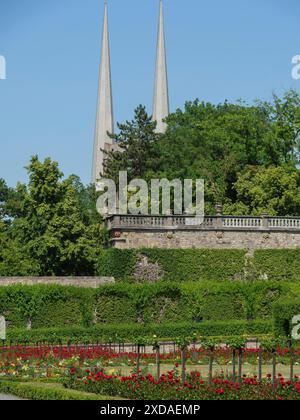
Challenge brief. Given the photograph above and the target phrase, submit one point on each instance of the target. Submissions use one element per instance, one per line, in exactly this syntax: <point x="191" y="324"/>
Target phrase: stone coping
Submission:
<point x="89" y="282"/>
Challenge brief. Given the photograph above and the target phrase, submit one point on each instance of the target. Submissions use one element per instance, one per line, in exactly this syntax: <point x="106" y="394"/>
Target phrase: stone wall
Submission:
<point x="92" y="282"/>
<point x="213" y="239"/>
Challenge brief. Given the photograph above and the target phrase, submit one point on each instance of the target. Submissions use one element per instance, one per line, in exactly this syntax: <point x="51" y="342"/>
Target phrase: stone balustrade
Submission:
<point x="186" y="222"/>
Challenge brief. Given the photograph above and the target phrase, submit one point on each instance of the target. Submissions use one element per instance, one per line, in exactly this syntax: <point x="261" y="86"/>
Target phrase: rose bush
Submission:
<point x="170" y="387"/>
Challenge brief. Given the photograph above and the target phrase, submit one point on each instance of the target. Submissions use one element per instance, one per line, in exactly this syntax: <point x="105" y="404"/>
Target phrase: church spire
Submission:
<point x="104" y="117"/>
<point x="161" y="94"/>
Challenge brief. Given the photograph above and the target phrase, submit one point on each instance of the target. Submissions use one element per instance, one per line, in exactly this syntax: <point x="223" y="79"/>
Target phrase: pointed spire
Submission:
<point x="104" y="117"/>
<point x="161" y="94"/>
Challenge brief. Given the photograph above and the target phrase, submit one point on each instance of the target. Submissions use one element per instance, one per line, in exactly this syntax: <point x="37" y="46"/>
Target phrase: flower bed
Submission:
<point x="170" y="387"/>
<point x="52" y="362"/>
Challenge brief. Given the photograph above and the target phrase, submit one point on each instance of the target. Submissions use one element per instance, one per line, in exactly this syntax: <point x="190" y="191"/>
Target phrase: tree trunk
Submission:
<point x="234" y="365"/>
<point x="158" y="362"/>
<point x="260" y="365"/>
<point x="211" y="362"/>
<point x="138" y="360"/>
<point x="274" y="369"/>
<point x="183" y="363"/>
<point x="292" y="364"/>
<point x="240" y="366"/>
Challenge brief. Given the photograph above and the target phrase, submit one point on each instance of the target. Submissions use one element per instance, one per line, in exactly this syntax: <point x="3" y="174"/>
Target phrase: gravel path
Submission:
<point x="4" y="397"/>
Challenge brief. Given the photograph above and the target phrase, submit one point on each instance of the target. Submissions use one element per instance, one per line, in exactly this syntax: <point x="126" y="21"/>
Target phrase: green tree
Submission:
<point x="212" y="142"/>
<point x="3" y="198"/>
<point x="14" y="258"/>
<point x="135" y="147"/>
<point x="55" y="229"/>
<point x="275" y="190"/>
<point x="282" y="140"/>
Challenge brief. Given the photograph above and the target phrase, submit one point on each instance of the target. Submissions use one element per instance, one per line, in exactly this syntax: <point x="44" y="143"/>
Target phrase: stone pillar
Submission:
<point x="218" y="220"/>
<point x="265" y="220"/>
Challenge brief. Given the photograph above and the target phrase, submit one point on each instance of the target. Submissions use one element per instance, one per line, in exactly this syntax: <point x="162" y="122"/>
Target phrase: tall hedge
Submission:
<point x="177" y="264"/>
<point x="195" y="264"/>
<point x="124" y="303"/>
<point x="117" y="263"/>
<point x="45" y="306"/>
<point x="278" y="264"/>
<point x="205" y="264"/>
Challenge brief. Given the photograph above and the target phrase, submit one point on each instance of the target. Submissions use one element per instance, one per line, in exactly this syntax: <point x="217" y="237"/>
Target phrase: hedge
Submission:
<point x="45" y="306"/>
<point x="46" y="392"/>
<point x="177" y="264"/>
<point x="195" y="264"/>
<point x="117" y="263"/>
<point x="204" y="264"/>
<point x="131" y="332"/>
<point x="284" y="312"/>
<point x="123" y="303"/>
<point x="278" y="264"/>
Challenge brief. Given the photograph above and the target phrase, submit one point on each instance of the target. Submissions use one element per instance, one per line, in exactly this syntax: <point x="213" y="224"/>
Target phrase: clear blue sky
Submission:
<point x="216" y="50"/>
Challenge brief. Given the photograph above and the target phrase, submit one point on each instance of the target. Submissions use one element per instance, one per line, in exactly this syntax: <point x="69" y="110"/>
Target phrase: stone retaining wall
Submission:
<point x="212" y="239"/>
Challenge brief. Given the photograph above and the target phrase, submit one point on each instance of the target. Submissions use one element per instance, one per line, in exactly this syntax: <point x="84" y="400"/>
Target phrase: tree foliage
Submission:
<point x="216" y="143"/>
<point x="136" y="152"/>
<point x="275" y="190"/>
<point x="56" y="229"/>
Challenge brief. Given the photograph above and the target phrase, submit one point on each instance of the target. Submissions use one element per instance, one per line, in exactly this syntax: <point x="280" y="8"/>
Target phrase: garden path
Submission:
<point x="5" y="397"/>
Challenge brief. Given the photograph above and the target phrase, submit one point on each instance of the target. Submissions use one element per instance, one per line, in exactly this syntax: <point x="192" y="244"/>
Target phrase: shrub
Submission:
<point x="46" y="392"/>
<point x="170" y="387"/>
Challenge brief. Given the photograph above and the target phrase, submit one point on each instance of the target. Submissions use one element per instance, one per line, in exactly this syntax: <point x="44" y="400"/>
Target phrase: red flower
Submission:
<point x="220" y="391"/>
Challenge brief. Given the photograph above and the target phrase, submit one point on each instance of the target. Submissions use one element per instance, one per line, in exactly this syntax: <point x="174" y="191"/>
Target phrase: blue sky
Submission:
<point x="216" y="50"/>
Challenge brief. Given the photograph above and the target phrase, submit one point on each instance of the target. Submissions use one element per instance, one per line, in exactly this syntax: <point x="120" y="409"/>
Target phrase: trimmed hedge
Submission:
<point x="125" y="303"/>
<point x="46" y="392"/>
<point x="130" y="333"/>
<point x="204" y="264"/>
<point x="45" y="306"/>
<point x="177" y="264"/>
<point x="284" y="312"/>
<point x="117" y="263"/>
<point x="195" y="264"/>
<point x="278" y="264"/>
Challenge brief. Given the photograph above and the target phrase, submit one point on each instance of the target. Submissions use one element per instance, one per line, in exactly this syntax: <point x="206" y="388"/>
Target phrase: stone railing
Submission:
<point x="220" y="222"/>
